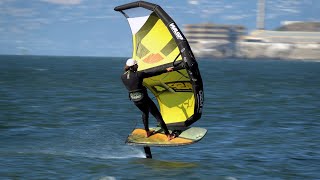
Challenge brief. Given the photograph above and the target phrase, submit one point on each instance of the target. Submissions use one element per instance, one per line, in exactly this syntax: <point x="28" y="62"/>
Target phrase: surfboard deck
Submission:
<point x="184" y="136"/>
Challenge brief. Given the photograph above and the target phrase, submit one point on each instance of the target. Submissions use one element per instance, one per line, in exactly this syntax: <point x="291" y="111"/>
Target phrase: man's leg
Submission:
<point x="155" y="112"/>
<point x="145" y="114"/>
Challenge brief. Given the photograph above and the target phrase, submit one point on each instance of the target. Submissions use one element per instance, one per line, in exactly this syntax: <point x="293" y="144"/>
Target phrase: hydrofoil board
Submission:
<point x="184" y="136"/>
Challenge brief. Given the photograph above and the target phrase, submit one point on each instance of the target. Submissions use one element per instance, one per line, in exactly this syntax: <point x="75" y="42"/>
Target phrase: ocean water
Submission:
<point x="68" y="118"/>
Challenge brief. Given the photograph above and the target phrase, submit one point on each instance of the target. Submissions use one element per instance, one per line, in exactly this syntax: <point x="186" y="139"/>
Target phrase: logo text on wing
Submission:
<point x="175" y="30"/>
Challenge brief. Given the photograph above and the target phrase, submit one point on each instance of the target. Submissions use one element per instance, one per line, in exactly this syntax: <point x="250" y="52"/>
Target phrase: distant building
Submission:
<point x="295" y="37"/>
<point x="261" y="6"/>
<point x="212" y="32"/>
<point x="293" y="32"/>
<point x="208" y="37"/>
<point x="294" y="40"/>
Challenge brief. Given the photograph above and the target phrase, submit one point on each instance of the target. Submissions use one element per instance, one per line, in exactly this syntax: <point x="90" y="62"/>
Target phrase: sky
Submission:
<point x="93" y="28"/>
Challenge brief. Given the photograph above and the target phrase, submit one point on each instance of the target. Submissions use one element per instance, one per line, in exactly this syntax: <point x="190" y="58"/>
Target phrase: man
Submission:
<point x="132" y="79"/>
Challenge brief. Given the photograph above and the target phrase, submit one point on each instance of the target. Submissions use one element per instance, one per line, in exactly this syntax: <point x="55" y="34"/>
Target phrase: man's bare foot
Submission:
<point x="170" y="136"/>
<point x="150" y="133"/>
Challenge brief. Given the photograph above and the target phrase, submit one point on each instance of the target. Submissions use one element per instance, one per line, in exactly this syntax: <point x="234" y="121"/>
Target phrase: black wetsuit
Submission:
<point x="139" y="95"/>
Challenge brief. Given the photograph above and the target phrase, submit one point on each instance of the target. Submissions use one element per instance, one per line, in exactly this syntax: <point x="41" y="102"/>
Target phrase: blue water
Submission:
<point x="68" y="118"/>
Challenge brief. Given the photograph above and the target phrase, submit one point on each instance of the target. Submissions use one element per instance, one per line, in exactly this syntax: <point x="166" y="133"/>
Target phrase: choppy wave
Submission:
<point x="57" y="123"/>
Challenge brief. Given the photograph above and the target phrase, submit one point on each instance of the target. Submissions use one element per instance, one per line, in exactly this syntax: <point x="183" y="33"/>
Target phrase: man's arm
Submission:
<point x="144" y="74"/>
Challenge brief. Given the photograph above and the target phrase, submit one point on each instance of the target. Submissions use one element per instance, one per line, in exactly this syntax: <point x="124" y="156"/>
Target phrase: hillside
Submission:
<point x="301" y="26"/>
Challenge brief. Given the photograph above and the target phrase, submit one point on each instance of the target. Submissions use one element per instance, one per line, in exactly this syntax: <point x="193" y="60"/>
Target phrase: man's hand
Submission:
<point x="170" y="69"/>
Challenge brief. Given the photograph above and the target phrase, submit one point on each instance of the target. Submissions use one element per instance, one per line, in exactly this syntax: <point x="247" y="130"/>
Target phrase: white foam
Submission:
<point x="99" y="155"/>
<point x="108" y="178"/>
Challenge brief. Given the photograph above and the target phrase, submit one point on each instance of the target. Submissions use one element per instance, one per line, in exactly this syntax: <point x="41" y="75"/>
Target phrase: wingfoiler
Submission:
<point x="158" y="43"/>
